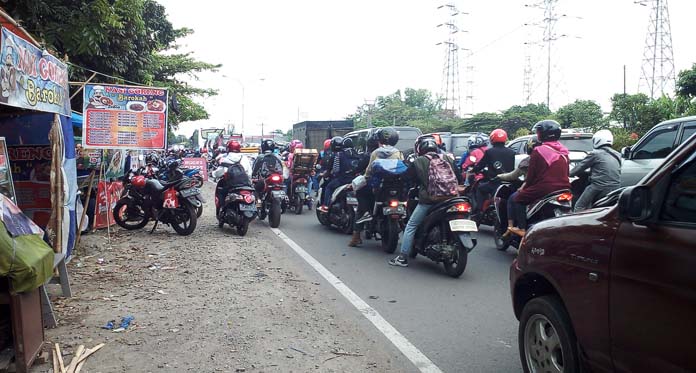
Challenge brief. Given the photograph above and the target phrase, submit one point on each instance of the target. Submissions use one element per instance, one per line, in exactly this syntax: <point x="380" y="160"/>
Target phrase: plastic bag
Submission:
<point x="359" y="182"/>
<point x="389" y="167"/>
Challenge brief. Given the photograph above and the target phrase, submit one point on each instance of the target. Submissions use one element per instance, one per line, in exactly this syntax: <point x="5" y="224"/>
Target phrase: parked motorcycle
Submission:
<point x="552" y="205"/>
<point x="445" y="236"/>
<point x="388" y="214"/>
<point x="342" y="208"/>
<point x="272" y="199"/>
<point x="172" y="172"/>
<point x="146" y="199"/>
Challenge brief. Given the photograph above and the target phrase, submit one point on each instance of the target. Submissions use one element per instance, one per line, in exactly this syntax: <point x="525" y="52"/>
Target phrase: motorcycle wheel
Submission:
<point x="243" y="228"/>
<point x="123" y="219"/>
<point x="390" y="236"/>
<point x="298" y="205"/>
<point x="274" y="214"/>
<point x="199" y="211"/>
<point x="187" y="225"/>
<point x="456" y="266"/>
<point x="262" y="211"/>
<point x="347" y="227"/>
<point x="199" y="182"/>
<point x="501" y="243"/>
<point x="322" y="217"/>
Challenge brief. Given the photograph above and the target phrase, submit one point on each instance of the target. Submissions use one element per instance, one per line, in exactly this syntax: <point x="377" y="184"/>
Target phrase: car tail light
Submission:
<point x="301" y="181"/>
<point x="394" y="203"/>
<point x="565" y="197"/>
<point x="460" y="207"/>
<point x="275" y="178"/>
<point x="248" y="198"/>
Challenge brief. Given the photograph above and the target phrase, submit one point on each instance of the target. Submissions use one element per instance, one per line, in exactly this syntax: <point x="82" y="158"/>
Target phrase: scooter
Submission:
<point x="272" y="199"/>
<point x="342" y="208"/>
<point x="550" y="206"/>
<point x="238" y="206"/>
<point x="388" y="214"/>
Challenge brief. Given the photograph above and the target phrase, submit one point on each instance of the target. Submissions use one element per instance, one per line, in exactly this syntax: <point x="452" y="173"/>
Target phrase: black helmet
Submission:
<point x="388" y="135"/>
<point x="373" y="142"/>
<point x="173" y="164"/>
<point x="337" y="144"/>
<point x="152" y="159"/>
<point x="268" y="145"/>
<point x="426" y="145"/>
<point x="347" y="143"/>
<point x="547" y="130"/>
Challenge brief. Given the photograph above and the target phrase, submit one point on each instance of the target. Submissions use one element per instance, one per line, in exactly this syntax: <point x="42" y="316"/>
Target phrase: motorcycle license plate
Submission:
<point x="278" y="193"/>
<point x="189" y="192"/>
<point x="352" y="200"/>
<point x="243" y="207"/>
<point x="301" y="190"/>
<point x="463" y="225"/>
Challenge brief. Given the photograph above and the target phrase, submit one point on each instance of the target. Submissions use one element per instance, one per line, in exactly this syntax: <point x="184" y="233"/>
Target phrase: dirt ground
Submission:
<point x="210" y="302"/>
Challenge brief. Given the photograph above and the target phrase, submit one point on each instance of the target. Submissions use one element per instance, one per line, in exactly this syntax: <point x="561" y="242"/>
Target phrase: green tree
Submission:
<point x="686" y="83"/>
<point x="639" y="113"/>
<point x="481" y="122"/>
<point x="581" y="114"/>
<point x="517" y="117"/>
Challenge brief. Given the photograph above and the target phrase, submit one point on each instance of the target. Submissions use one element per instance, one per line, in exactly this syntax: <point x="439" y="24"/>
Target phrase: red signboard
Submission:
<point x="200" y="164"/>
<point x="107" y="196"/>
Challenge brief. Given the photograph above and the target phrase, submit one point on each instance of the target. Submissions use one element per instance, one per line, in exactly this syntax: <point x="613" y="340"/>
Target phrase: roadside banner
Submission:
<point x="124" y="117"/>
<point x="31" y="171"/>
<point x="107" y="196"/>
<point x="31" y="78"/>
<point x="200" y="164"/>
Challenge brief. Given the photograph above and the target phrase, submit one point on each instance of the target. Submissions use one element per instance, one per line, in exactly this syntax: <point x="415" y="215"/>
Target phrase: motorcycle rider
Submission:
<point x="520" y="171"/>
<point x="238" y="168"/>
<point x="265" y="164"/>
<point x="233" y="146"/>
<point x="605" y="165"/>
<point x="547" y="173"/>
<point x="477" y="147"/>
<point x="418" y="171"/>
<point x="324" y="166"/>
<point x="340" y="171"/>
<point x="364" y="195"/>
<point x="497" y="159"/>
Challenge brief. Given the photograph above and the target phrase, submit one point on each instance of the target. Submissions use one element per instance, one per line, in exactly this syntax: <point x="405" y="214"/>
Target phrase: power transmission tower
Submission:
<point x="658" y="74"/>
<point x="451" y="91"/>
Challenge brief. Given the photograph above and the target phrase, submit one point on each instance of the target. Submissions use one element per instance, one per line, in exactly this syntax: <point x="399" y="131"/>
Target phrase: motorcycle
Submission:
<point x="389" y="213"/>
<point x="238" y="209"/>
<point x="299" y="193"/>
<point x="272" y="199"/>
<point x="552" y="205"/>
<point x="487" y="215"/>
<point x="191" y="173"/>
<point x="342" y="208"/>
<point x="445" y="236"/>
<point x="146" y="199"/>
<point x="171" y="173"/>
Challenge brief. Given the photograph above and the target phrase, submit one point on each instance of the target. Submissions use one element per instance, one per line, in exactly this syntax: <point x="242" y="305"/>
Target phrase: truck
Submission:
<point x="314" y="133"/>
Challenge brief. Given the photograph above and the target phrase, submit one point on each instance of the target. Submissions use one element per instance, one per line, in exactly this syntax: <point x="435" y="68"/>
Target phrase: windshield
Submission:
<point x="577" y="145"/>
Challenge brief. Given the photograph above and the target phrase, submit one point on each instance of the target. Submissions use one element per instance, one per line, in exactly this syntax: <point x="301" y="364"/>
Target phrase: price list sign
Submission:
<point x="124" y="117"/>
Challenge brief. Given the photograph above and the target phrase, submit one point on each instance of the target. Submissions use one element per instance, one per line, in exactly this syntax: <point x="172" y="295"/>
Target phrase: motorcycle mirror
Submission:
<point x="141" y="157"/>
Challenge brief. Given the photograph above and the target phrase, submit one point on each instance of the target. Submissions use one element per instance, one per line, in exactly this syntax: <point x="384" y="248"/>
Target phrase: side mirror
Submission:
<point x="634" y="204"/>
<point x="626" y="152"/>
<point x="141" y="157"/>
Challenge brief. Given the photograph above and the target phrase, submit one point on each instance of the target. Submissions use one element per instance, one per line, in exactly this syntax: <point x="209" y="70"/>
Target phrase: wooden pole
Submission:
<point x="85" y="207"/>
<point x="83" y="85"/>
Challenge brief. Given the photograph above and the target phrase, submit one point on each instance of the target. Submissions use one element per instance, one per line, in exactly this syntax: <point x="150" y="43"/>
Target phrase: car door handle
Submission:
<point x="593" y="277"/>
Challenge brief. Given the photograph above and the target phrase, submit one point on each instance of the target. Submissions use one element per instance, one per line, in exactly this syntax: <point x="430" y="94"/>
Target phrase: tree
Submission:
<point x="639" y="113"/>
<point x="686" y="83"/>
<point x="581" y="114"/>
<point x="481" y="122"/>
<point x="517" y="117"/>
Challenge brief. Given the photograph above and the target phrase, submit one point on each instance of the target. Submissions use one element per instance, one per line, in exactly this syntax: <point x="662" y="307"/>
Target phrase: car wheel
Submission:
<point x="546" y="338"/>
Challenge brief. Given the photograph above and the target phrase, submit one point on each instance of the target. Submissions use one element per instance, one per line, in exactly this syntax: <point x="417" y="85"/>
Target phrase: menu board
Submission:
<point x="124" y="117"/>
<point x="6" y="185"/>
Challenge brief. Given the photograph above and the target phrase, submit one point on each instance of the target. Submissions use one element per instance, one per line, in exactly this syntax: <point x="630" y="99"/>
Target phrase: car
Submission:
<point x="653" y="147"/>
<point x="407" y="138"/>
<point x="578" y="144"/>
<point x="613" y="289"/>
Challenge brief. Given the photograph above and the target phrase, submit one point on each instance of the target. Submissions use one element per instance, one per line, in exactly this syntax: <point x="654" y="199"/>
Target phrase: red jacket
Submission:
<point x="547" y="173"/>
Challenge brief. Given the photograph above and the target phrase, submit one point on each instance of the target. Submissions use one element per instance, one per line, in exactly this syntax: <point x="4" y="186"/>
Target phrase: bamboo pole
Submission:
<point x="85" y="207"/>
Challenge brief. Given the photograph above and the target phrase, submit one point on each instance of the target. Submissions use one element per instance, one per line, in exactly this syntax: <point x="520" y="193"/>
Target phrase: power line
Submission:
<point x="105" y="75"/>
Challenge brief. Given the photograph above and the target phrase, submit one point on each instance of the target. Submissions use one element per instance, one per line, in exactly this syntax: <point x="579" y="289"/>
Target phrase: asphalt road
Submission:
<point x="462" y="325"/>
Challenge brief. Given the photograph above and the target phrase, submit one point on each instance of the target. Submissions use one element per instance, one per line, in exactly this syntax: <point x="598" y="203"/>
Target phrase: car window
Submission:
<point x="689" y="129"/>
<point x="516" y="146"/>
<point x="407" y="137"/>
<point x="658" y="145"/>
<point x="680" y="204"/>
<point x="581" y="144"/>
<point x="359" y="141"/>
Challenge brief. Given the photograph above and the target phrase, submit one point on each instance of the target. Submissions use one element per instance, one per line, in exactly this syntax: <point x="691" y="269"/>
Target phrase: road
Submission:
<point x="462" y="325"/>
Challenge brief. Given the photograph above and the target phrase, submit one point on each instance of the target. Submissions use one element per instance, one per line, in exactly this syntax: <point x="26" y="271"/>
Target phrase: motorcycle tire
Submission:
<point x="181" y="228"/>
<point x="501" y="243"/>
<point x="199" y="182"/>
<point x="199" y="211"/>
<point x="299" y="203"/>
<point x="390" y="235"/>
<point x="455" y="268"/>
<point x="122" y="207"/>
<point x="274" y="214"/>
<point x="243" y="228"/>
<point x="323" y="220"/>
<point x="262" y="212"/>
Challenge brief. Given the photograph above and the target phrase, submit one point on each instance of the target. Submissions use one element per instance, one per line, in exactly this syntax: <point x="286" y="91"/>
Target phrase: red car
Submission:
<point x="613" y="289"/>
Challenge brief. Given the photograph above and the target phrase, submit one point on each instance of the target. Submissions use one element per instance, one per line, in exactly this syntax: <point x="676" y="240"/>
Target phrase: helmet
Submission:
<point x="601" y="138"/>
<point x="268" y="145"/>
<point x="547" y="130"/>
<point x="138" y="181"/>
<point x="388" y="135"/>
<point x="233" y="146"/>
<point x="337" y="144"/>
<point x="300" y="145"/>
<point x="532" y="143"/>
<point x="498" y="136"/>
<point x="327" y="144"/>
<point x="293" y="145"/>
<point x="347" y="143"/>
<point x="477" y="141"/>
<point x="152" y="158"/>
<point x="426" y="145"/>
<point x="173" y="164"/>
<point x="372" y="142"/>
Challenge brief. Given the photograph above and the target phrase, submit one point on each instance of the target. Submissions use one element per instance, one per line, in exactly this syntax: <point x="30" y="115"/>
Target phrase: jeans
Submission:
<point x="483" y="191"/>
<point x="330" y="187"/>
<point x="417" y="217"/>
<point x="590" y="196"/>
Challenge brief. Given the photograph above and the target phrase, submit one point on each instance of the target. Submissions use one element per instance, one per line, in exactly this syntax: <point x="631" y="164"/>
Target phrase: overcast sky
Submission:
<point x="320" y="59"/>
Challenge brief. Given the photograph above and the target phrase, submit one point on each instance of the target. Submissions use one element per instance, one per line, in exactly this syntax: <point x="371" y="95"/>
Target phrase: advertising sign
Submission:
<point x="107" y="196"/>
<point x="31" y="79"/>
<point x="124" y="117"/>
<point x="31" y="171"/>
<point x="200" y="164"/>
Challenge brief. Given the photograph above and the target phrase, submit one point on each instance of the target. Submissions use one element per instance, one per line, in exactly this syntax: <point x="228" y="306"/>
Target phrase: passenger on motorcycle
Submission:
<point x="605" y="165"/>
<point x="497" y="159"/>
<point x="324" y="157"/>
<point x="266" y="164"/>
<point x="365" y="196"/>
<point x="477" y="147"/>
<point x="514" y="176"/>
<point x="547" y="173"/>
<point x="418" y="173"/>
<point x="340" y="171"/>
<point x="387" y="138"/>
<point x="238" y="170"/>
<point x="233" y="146"/>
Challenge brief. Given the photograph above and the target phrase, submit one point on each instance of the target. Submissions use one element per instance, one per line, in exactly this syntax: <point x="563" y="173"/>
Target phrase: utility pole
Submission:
<point x="550" y="18"/>
<point x="451" y="90"/>
<point x="658" y="75"/>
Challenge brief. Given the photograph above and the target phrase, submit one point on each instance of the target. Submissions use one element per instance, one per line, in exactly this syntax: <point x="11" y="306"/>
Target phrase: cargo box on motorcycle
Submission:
<point x="304" y="160"/>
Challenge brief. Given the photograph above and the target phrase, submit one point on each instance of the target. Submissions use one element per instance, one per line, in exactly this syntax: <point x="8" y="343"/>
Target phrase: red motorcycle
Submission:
<point x="272" y="199"/>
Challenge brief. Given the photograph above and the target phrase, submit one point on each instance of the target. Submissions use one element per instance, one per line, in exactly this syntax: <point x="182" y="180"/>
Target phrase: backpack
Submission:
<point x="236" y="175"/>
<point x="442" y="182"/>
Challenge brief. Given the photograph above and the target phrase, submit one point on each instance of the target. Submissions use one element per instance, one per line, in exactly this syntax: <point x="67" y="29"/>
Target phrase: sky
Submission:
<point x="321" y="59"/>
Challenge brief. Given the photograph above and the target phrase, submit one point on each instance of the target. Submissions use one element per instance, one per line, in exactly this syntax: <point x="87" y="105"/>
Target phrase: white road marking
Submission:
<point x="407" y="348"/>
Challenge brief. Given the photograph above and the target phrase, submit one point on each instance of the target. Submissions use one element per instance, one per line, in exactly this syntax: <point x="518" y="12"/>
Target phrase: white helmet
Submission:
<point x="601" y="138"/>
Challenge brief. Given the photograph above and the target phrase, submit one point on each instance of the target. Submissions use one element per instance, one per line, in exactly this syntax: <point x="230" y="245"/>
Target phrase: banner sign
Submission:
<point x="31" y="78"/>
<point x="31" y="171"/>
<point x="107" y="196"/>
<point x="124" y="117"/>
<point x="200" y="164"/>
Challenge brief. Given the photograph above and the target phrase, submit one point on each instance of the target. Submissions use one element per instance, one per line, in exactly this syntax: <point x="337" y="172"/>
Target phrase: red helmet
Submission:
<point x="138" y="181"/>
<point x="299" y="146"/>
<point x="233" y="146"/>
<point x="327" y="144"/>
<point x="498" y="136"/>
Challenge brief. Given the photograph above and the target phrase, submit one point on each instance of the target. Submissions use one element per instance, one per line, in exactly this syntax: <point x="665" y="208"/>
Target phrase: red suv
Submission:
<point x="614" y="289"/>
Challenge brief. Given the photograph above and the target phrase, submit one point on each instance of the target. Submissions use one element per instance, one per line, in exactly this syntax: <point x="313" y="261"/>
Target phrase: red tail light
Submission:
<point x="393" y="203"/>
<point x="275" y="178"/>
<point x="248" y="198"/>
<point x="565" y="197"/>
<point x="462" y="207"/>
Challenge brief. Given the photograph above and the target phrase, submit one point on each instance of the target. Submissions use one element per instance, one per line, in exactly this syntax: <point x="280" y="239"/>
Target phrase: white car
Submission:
<point x="578" y="144"/>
